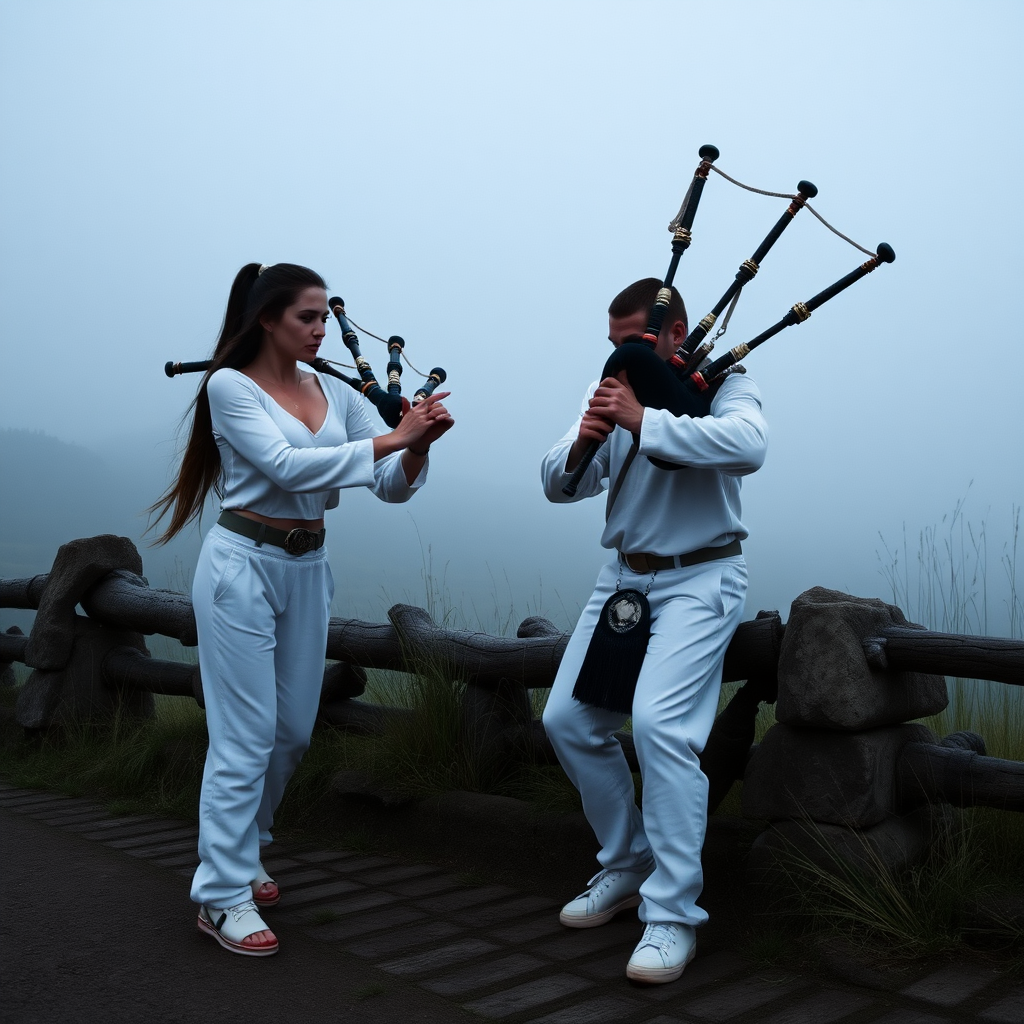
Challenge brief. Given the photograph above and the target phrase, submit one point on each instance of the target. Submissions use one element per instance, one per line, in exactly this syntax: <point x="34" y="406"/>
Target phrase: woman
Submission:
<point x="276" y="442"/>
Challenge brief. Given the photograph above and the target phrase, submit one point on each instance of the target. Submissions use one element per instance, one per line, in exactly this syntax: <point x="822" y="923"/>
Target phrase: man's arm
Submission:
<point x="733" y="439"/>
<point x="562" y="459"/>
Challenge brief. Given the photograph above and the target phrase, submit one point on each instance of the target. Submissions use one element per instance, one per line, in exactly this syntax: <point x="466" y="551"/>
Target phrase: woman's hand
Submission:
<point x="419" y="427"/>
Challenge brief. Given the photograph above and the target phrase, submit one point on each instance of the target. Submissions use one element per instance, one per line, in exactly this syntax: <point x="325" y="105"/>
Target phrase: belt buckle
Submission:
<point x="299" y="541"/>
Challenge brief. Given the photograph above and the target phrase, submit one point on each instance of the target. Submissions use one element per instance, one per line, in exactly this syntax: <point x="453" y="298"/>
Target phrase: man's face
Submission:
<point x="632" y="327"/>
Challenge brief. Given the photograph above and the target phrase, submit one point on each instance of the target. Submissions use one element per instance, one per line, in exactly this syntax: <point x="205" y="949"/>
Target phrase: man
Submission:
<point x="675" y="537"/>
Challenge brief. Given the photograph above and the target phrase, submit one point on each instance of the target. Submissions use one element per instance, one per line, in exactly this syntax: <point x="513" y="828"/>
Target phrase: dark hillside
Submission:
<point x="52" y="491"/>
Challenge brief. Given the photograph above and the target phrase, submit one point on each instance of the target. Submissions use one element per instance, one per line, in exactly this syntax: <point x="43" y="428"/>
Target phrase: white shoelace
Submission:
<point x="603" y="879"/>
<point x="240" y="910"/>
<point x="661" y="936"/>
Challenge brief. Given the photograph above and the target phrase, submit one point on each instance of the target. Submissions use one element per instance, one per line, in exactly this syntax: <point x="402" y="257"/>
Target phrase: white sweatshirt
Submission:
<point x="273" y="464"/>
<point x="673" y="512"/>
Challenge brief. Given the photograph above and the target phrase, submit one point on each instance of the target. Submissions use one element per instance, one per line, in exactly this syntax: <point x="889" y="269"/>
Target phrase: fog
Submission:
<point x="482" y="179"/>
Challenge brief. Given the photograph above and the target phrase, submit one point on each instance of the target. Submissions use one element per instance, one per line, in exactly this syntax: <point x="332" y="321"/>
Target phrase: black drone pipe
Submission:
<point x="680" y="243"/>
<point x="385" y="408"/>
<point x="691" y="352"/>
<point x="390" y="406"/>
<point x="702" y="380"/>
<point x="437" y="376"/>
<point x="395" y="346"/>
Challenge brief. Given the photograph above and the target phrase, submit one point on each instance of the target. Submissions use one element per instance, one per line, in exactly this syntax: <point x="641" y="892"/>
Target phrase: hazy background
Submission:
<point x="482" y="178"/>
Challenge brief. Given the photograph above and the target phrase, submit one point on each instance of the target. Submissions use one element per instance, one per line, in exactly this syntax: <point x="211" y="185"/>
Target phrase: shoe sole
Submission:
<point x="658" y="975"/>
<point x="234" y="947"/>
<point x="596" y="920"/>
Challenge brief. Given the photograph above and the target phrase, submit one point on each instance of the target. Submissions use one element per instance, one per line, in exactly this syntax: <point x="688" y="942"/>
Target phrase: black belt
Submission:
<point x="643" y="562"/>
<point x="295" y="542"/>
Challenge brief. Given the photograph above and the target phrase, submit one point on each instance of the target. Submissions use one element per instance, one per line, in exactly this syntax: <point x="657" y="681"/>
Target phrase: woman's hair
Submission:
<point x="257" y="293"/>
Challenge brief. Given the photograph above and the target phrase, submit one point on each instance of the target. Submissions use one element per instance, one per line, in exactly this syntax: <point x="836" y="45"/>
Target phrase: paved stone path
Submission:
<point x="501" y="955"/>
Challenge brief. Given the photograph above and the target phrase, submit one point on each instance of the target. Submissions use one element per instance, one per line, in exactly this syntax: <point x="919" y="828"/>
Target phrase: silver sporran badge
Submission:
<point x="625" y="611"/>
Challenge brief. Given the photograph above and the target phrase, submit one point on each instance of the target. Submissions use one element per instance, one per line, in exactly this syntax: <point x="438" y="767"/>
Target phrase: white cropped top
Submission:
<point x="274" y="465"/>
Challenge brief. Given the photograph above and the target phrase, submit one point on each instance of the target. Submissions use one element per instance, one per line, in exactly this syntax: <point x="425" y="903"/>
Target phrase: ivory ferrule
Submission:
<point x="750" y="266"/>
<point x="801" y="311"/>
<point x="708" y="322"/>
<point x="740" y="352"/>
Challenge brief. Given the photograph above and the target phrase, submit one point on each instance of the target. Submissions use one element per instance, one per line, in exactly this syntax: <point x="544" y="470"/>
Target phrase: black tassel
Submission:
<point x="616" y="653"/>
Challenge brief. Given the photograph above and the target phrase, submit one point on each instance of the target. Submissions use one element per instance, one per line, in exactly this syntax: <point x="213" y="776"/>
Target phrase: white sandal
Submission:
<point x="232" y="927"/>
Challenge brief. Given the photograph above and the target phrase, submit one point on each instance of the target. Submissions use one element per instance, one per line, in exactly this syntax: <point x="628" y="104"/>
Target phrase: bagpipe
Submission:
<point x="687" y="383"/>
<point x="390" y="403"/>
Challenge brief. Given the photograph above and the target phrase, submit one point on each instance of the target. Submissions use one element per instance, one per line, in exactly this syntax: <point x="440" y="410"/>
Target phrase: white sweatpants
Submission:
<point x="694" y="613"/>
<point x="262" y="617"/>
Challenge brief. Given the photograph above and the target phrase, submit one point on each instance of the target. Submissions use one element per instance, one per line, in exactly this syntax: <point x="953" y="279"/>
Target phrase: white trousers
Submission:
<point x="262" y="617"/>
<point x="694" y="613"/>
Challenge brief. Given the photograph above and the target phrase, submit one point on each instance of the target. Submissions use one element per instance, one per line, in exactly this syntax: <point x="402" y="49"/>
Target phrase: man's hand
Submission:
<point x="615" y="402"/>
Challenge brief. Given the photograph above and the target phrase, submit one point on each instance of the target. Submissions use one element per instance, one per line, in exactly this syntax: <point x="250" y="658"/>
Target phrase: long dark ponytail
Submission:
<point x="257" y="293"/>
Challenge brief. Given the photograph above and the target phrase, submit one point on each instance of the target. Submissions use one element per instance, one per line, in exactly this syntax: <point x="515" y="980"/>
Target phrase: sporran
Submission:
<point x="610" y="670"/>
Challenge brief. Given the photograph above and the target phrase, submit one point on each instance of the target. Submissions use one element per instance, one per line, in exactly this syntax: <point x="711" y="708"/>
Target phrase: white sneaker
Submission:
<point x="663" y="953"/>
<point x="609" y="893"/>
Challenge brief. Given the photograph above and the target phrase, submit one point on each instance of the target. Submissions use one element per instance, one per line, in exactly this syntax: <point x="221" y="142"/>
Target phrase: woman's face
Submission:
<point x="297" y="333"/>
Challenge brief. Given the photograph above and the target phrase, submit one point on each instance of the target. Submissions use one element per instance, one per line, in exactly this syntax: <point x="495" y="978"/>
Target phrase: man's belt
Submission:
<point x="295" y="542"/>
<point x="641" y="561"/>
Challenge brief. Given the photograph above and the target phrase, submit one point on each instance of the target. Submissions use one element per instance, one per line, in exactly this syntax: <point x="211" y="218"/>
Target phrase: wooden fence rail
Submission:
<point x="848" y="674"/>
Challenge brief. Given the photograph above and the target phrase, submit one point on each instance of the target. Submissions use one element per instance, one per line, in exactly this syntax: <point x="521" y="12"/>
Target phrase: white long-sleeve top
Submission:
<point x="673" y="512"/>
<point x="273" y="464"/>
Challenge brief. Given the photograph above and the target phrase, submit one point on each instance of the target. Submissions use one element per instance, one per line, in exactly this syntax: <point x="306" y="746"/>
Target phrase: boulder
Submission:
<point x="844" y="779"/>
<point x="825" y="680"/>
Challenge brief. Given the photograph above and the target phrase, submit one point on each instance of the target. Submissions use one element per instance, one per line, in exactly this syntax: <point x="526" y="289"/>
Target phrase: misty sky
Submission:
<point x="482" y="178"/>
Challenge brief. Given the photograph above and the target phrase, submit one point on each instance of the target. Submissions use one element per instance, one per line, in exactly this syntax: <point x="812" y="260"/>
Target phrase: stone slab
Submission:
<point x="585" y="942"/>
<point x="430" y="886"/>
<point x="738" y="997"/>
<point x="389" y="919"/>
<point x="182" y="846"/>
<point x="321" y="918"/>
<point x="454" y="954"/>
<point x="466" y="898"/>
<point x="602" y="1010"/>
<point x="293" y="898"/>
<point x="950" y="986"/>
<point x="483" y="975"/>
<point x="1008" y="1010"/>
<point x="822" y="1007"/>
<point x="503" y="910"/>
<point x="395" y="939"/>
<point x="525" y="997"/>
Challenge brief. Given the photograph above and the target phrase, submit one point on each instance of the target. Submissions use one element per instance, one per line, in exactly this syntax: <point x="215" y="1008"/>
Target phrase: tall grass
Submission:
<point x="153" y="766"/>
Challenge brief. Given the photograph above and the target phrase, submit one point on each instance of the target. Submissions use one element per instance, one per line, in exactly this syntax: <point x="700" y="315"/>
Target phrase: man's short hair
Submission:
<point x="641" y="295"/>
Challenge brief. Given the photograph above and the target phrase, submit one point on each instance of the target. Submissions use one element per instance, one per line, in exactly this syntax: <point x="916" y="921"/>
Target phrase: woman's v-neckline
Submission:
<point x="323" y="391"/>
